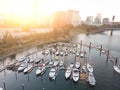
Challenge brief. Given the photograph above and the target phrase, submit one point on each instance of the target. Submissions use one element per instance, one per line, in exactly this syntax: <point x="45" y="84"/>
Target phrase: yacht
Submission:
<point x="75" y="75"/>
<point x="91" y="79"/>
<point x="52" y="73"/>
<point x="41" y="69"/>
<point x="22" y="67"/>
<point x="61" y="63"/>
<point x="28" y="68"/>
<point x="89" y="68"/>
<point x="68" y="72"/>
<point x="56" y="63"/>
<point x="116" y="68"/>
<point x="21" y="59"/>
<point x="77" y="65"/>
<point x="1" y="88"/>
<point x="71" y="65"/>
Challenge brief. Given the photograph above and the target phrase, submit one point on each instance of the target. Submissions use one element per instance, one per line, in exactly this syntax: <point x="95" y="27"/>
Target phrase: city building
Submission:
<point x="59" y="19"/>
<point x="89" y="20"/>
<point x="73" y="17"/>
<point x="106" y="21"/>
<point x="97" y="20"/>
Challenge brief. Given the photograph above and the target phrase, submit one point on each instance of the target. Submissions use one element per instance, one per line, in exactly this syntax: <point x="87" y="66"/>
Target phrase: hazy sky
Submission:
<point x="107" y="8"/>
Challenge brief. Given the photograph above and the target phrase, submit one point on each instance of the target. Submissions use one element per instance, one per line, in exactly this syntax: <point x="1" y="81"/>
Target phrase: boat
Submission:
<point x="57" y="53"/>
<point x="31" y="60"/>
<point x="75" y="75"/>
<point x="52" y="73"/>
<point x="22" y="67"/>
<point x="116" y="68"/>
<point x="51" y="63"/>
<point x="28" y="68"/>
<point x="68" y="72"/>
<point x="71" y="65"/>
<point x="41" y="69"/>
<point x="61" y="63"/>
<point x="84" y="68"/>
<point x="77" y="65"/>
<point x="61" y="53"/>
<point x="1" y="88"/>
<point x="77" y="54"/>
<point x="82" y="54"/>
<point x="21" y="59"/>
<point x="89" y="68"/>
<point x="37" y="60"/>
<point x="56" y="63"/>
<point x="91" y="79"/>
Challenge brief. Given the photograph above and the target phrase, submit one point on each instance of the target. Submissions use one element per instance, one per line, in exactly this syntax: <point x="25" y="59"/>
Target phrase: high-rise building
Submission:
<point x="59" y="19"/>
<point x="73" y="17"/>
<point x="97" y="20"/>
<point x="89" y="20"/>
<point x="105" y="21"/>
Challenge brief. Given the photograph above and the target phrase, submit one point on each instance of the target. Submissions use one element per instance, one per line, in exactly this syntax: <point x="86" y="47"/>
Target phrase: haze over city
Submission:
<point x="26" y="8"/>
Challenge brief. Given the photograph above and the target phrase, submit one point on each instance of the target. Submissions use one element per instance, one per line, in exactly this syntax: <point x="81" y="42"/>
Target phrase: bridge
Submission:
<point x="106" y="29"/>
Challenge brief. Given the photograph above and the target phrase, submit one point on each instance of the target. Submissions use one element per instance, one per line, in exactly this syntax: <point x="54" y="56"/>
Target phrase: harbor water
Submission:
<point x="106" y="77"/>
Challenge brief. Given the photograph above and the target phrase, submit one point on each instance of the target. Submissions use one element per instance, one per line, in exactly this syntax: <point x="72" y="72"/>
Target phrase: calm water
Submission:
<point x="106" y="77"/>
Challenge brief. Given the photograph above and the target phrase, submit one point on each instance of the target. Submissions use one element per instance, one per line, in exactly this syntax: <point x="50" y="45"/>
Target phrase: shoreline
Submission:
<point x="18" y="49"/>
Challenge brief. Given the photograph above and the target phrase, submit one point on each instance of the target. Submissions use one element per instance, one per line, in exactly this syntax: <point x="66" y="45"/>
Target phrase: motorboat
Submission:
<point x="82" y="54"/>
<point x="77" y="65"/>
<point x="51" y="63"/>
<point x="91" y="79"/>
<point x="31" y="60"/>
<point x="37" y="60"/>
<point x="28" y="68"/>
<point x="68" y="72"/>
<point x="1" y="88"/>
<point x="52" y="73"/>
<point x="71" y="65"/>
<point x="89" y="68"/>
<point x="84" y="68"/>
<point x="41" y="69"/>
<point x="56" y="63"/>
<point x="75" y="75"/>
<point x="77" y="54"/>
<point x="21" y="59"/>
<point x="22" y="67"/>
<point x="61" y="53"/>
<point x="116" y="68"/>
<point x="61" y="63"/>
<point x="57" y="53"/>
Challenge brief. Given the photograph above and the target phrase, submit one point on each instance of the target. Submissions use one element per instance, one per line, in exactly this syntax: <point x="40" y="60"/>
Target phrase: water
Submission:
<point x="106" y="77"/>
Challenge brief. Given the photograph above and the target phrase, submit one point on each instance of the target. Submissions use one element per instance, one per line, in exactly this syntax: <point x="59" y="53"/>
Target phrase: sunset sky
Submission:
<point x="28" y="8"/>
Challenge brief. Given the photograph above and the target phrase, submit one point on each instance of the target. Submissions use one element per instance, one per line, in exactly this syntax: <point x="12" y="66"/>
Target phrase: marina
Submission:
<point x="80" y="57"/>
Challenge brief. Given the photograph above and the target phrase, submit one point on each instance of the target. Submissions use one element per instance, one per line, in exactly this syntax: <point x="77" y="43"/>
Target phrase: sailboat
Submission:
<point x="91" y="79"/>
<point x="116" y="66"/>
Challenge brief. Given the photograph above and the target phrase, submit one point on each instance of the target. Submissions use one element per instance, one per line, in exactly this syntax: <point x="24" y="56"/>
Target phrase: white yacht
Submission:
<point x="77" y="65"/>
<point x="90" y="68"/>
<point x="75" y="75"/>
<point x="22" y="67"/>
<point x="116" y="68"/>
<point x="37" y="60"/>
<point x="61" y="63"/>
<point x="68" y="72"/>
<point x="52" y="73"/>
<point x="21" y="59"/>
<point x="1" y="88"/>
<point x="41" y="69"/>
<point x="71" y="65"/>
<point x="91" y="79"/>
<point x="56" y="63"/>
<point x="28" y="68"/>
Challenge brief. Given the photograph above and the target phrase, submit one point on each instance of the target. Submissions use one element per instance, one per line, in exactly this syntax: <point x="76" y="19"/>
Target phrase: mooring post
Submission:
<point x="115" y="62"/>
<point x="100" y="50"/>
<point x="4" y="85"/>
<point x="89" y="46"/>
<point x="23" y="87"/>
<point x="108" y="54"/>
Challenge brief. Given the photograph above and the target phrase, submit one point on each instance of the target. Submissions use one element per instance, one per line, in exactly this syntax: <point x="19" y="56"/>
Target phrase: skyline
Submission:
<point x="44" y="7"/>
